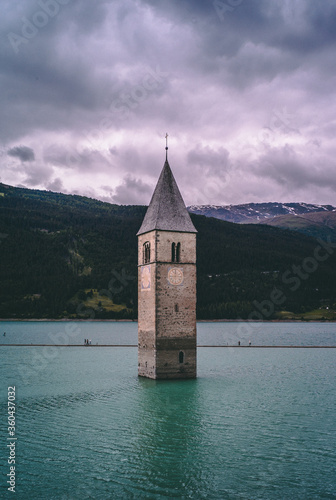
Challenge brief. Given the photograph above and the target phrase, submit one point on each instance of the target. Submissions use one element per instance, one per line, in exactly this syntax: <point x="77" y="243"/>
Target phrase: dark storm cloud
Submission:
<point x="22" y="152"/>
<point x="56" y="185"/>
<point x="94" y="86"/>
<point x="80" y="159"/>
<point x="286" y="167"/>
<point x="36" y="175"/>
<point x="73" y="70"/>
<point x="131" y="188"/>
<point x="50" y="81"/>
<point x="211" y="162"/>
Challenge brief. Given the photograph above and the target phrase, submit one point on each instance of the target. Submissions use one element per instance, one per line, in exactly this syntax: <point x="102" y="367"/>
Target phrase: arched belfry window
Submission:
<point x="146" y="252"/>
<point x="176" y="252"/>
<point x="181" y="357"/>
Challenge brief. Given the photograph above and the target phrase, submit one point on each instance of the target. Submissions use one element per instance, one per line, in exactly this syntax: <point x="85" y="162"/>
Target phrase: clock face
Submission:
<point x="175" y="275"/>
<point x="145" y="278"/>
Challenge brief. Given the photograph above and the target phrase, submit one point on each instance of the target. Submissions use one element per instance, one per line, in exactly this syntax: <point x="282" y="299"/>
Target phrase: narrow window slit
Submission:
<point x="178" y="252"/>
<point x="173" y="255"/>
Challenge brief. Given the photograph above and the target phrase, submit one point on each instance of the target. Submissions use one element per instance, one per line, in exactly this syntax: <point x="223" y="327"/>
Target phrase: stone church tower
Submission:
<point x="167" y="285"/>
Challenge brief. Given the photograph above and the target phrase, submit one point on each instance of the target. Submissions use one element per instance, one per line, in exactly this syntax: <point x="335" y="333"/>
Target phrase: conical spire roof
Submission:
<point x="167" y="210"/>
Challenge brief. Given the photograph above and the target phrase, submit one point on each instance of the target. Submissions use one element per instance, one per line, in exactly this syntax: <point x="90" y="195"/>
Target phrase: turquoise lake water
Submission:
<point x="255" y="424"/>
<point x="209" y="333"/>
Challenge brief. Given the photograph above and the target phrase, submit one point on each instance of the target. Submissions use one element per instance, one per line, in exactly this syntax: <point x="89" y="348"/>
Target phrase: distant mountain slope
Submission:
<point x="252" y="213"/>
<point x="71" y="256"/>
<point x="318" y="224"/>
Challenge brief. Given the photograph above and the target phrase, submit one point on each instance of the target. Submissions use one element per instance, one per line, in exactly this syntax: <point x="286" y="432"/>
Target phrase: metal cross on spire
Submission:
<point x="166" y="146"/>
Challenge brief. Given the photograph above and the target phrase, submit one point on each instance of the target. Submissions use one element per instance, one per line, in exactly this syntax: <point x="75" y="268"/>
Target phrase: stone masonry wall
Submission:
<point x="167" y="311"/>
<point x="146" y="310"/>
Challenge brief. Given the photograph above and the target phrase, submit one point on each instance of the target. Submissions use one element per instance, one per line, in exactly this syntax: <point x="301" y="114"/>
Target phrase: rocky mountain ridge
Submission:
<point x="254" y="213"/>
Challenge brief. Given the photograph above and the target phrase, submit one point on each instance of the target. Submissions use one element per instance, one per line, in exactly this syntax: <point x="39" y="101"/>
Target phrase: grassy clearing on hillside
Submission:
<point x="314" y="315"/>
<point x="97" y="301"/>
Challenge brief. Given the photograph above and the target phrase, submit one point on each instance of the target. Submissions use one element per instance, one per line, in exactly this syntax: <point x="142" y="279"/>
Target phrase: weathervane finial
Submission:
<point x="166" y="146"/>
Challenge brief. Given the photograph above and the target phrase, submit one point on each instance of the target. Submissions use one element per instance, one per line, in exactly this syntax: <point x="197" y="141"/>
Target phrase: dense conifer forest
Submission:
<point x="66" y="256"/>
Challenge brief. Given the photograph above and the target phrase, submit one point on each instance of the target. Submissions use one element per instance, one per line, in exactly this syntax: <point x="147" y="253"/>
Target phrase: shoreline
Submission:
<point x="68" y="320"/>
<point x="235" y="346"/>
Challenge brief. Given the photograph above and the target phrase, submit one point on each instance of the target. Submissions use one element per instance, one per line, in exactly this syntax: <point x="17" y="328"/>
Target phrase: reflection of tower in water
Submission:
<point x="168" y="437"/>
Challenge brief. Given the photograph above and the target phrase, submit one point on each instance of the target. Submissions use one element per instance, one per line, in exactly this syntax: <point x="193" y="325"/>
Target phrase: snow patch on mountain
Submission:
<point x="255" y="212"/>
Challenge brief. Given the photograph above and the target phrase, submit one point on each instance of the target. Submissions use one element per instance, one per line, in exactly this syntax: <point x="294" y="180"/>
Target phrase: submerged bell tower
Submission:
<point x="167" y="285"/>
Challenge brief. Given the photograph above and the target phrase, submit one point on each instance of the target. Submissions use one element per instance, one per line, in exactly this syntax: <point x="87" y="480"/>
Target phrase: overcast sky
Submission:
<point x="246" y="90"/>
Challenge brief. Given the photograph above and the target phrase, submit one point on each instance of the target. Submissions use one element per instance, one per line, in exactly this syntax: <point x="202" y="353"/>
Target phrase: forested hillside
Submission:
<point x="70" y="256"/>
<point x="319" y="224"/>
